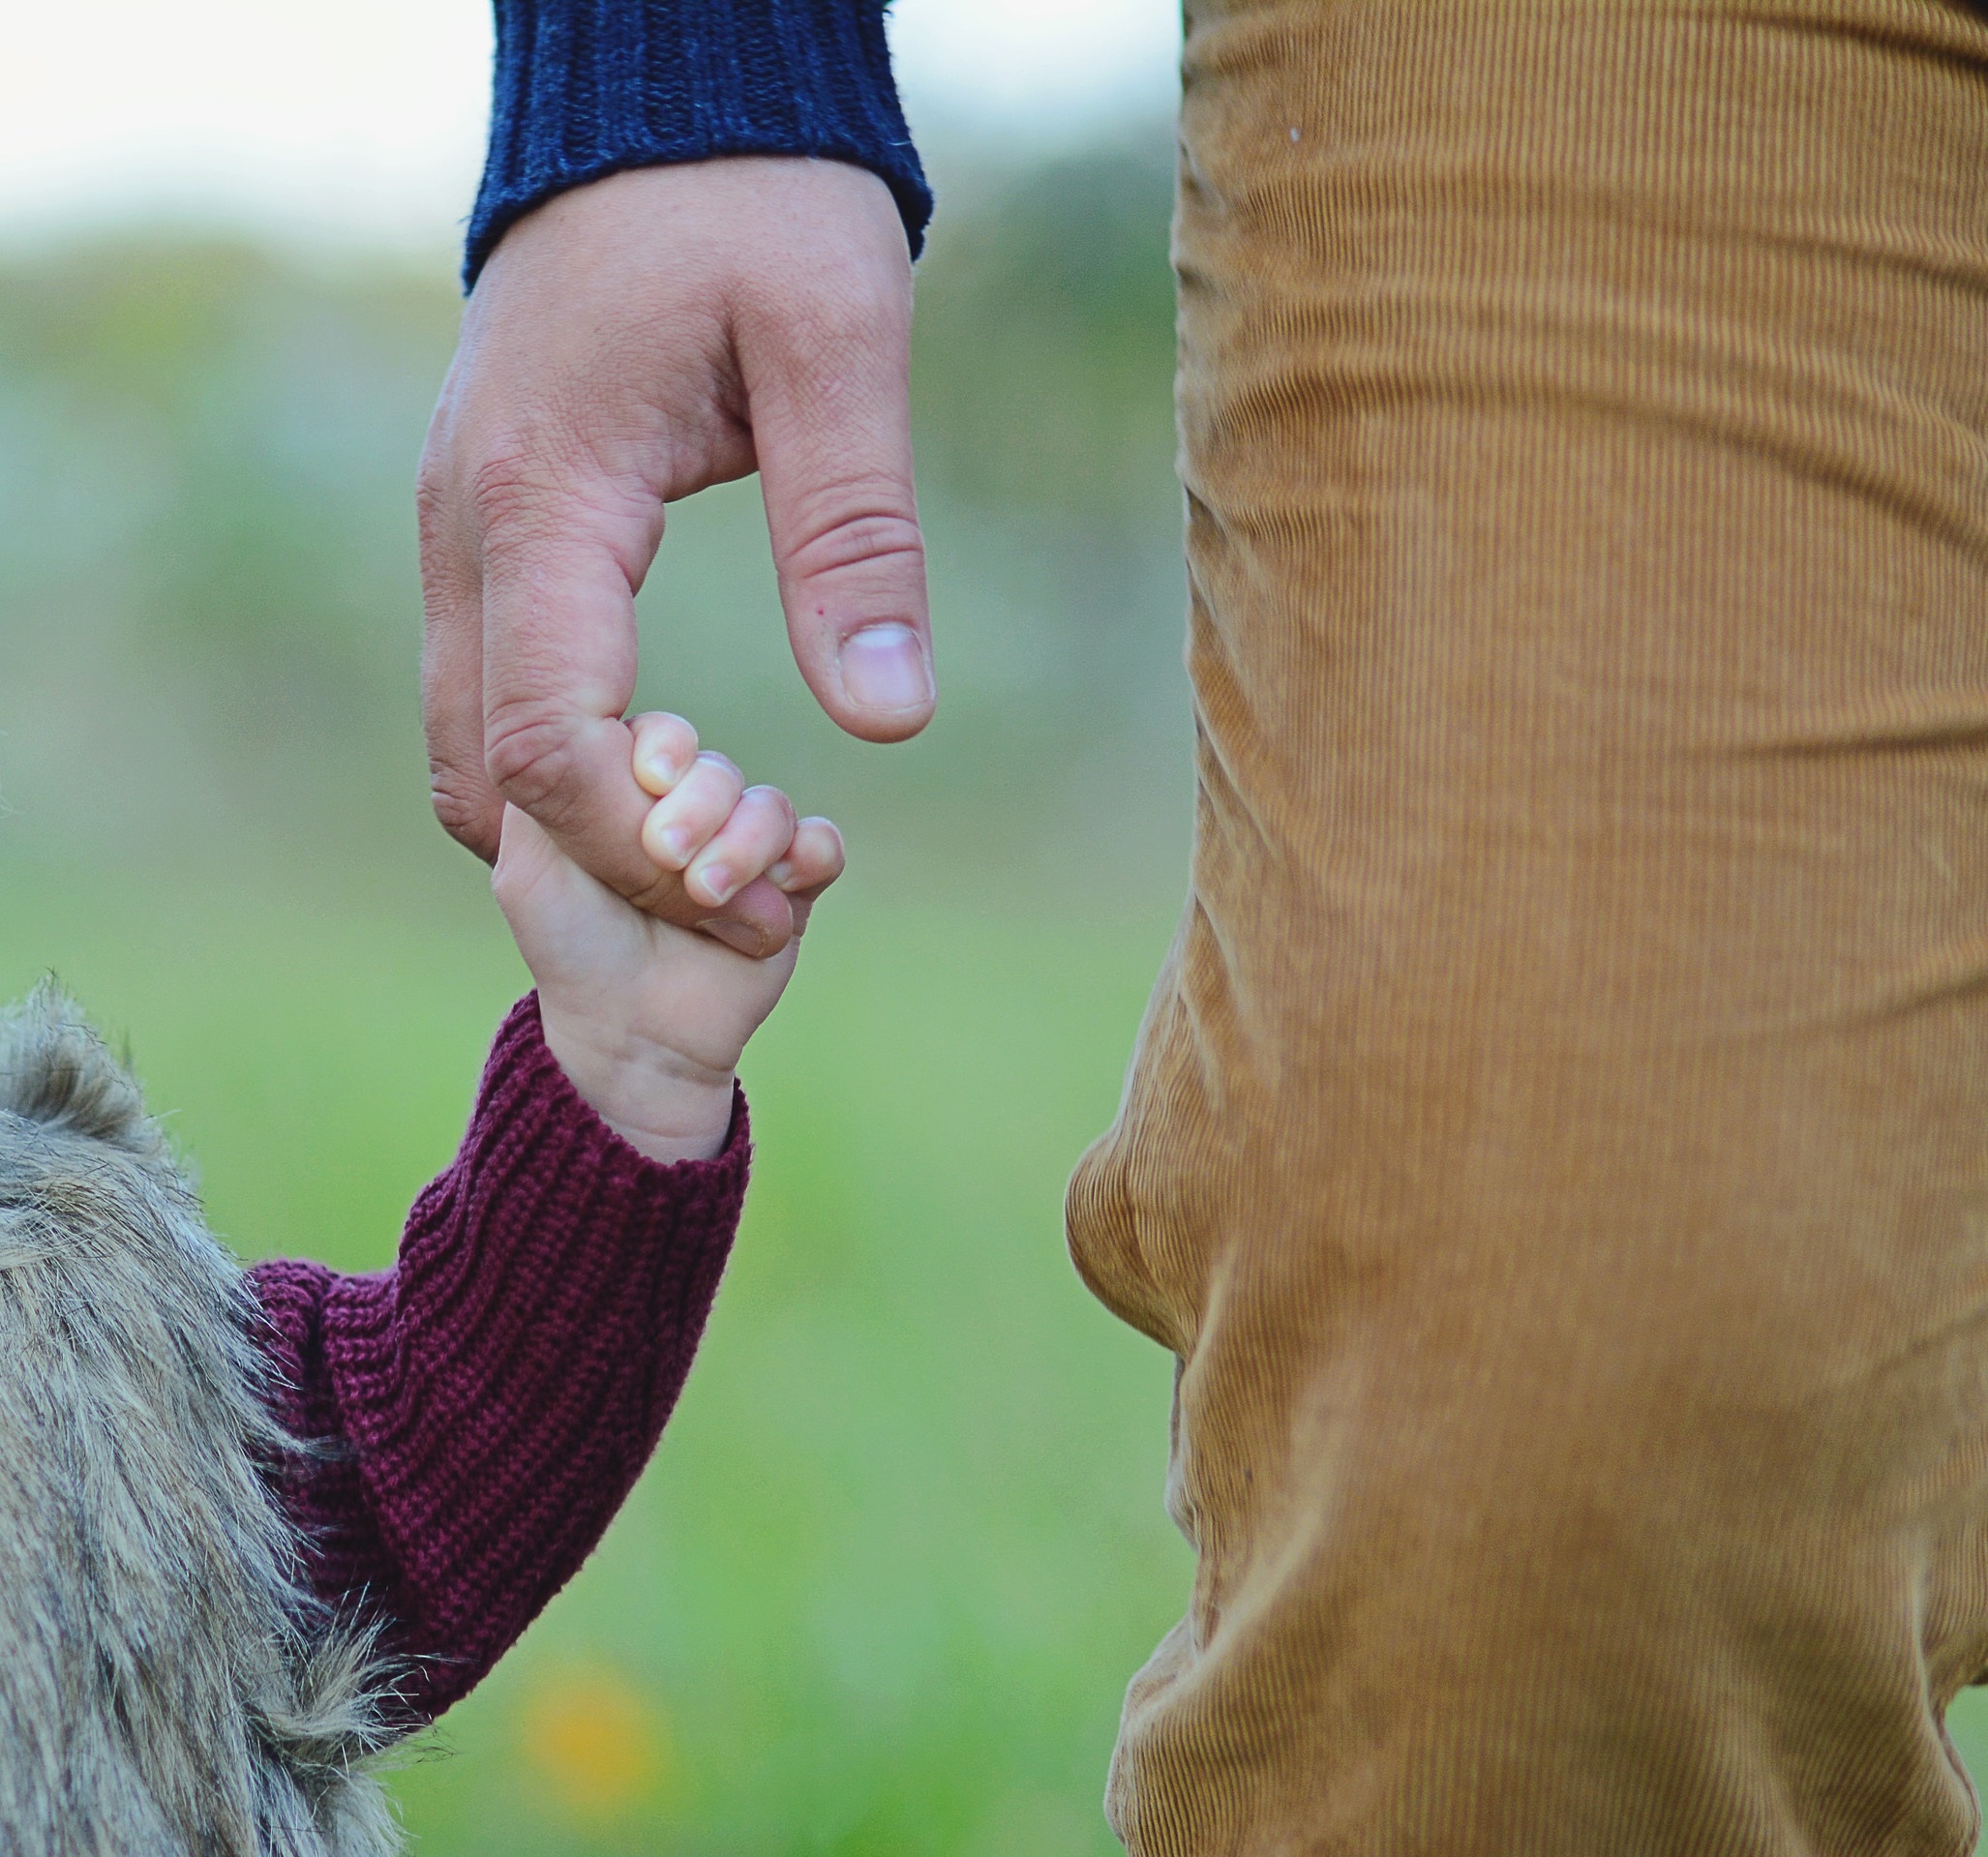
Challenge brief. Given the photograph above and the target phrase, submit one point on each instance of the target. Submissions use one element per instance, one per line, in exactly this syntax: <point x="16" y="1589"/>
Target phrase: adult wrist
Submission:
<point x="586" y="88"/>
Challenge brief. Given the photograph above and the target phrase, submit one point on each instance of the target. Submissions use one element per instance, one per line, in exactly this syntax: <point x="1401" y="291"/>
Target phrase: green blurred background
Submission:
<point x="903" y="1544"/>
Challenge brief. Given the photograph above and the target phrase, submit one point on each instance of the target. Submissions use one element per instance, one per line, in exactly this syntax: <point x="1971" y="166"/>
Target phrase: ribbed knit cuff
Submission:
<point x="584" y="88"/>
<point x="491" y="1399"/>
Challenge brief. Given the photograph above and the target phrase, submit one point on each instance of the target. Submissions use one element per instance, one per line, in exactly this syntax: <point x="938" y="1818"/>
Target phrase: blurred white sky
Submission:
<point x="364" y="119"/>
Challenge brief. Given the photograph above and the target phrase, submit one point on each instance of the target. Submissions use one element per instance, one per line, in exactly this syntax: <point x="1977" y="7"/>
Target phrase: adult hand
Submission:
<point x="629" y="342"/>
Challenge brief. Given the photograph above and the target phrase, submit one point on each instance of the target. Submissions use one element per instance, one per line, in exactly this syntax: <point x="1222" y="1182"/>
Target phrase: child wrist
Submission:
<point x="664" y="1103"/>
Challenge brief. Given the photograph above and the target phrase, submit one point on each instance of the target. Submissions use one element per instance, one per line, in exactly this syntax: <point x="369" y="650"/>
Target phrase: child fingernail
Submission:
<point x="670" y="846"/>
<point x="781" y="873"/>
<point x="717" y="882"/>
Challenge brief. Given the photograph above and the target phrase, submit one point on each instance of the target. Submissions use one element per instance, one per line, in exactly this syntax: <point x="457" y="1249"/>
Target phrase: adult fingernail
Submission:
<point x="884" y="668"/>
<point x="739" y="937"/>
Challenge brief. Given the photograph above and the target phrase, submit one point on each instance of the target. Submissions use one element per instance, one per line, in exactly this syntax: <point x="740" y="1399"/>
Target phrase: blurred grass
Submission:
<point x="902" y="1546"/>
<point x="208" y="592"/>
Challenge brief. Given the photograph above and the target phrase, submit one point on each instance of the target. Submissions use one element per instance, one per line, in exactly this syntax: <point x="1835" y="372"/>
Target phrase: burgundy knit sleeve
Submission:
<point x="487" y="1404"/>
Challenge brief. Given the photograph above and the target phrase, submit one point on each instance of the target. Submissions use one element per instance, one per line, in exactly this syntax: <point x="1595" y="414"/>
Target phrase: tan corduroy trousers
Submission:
<point x="1557" y="1150"/>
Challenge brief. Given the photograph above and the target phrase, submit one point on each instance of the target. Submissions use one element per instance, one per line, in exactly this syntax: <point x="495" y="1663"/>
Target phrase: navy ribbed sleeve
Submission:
<point x="586" y="87"/>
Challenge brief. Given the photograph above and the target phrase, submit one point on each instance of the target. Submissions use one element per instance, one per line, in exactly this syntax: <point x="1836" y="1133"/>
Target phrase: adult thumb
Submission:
<point x="828" y="382"/>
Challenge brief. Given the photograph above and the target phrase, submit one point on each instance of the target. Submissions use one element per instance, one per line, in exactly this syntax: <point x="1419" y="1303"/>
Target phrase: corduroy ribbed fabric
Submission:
<point x="1557" y="1150"/>
<point x="584" y="88"/>
<point x="486" y="1405"/>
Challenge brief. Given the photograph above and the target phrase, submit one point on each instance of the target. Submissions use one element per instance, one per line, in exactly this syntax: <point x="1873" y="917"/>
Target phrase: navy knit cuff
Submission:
<point x="584" y="88"/>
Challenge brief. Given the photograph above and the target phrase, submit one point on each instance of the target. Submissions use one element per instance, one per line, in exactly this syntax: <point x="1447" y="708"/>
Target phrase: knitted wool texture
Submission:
<point x="495" y="1395"/>
<point x="182" y="1666"/>
<point x="166" y="1684"/>
<point x="584" y="88"/>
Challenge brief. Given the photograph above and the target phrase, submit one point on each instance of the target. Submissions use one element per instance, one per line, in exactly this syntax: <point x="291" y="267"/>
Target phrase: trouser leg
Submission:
<point x="1559" y="1148"/>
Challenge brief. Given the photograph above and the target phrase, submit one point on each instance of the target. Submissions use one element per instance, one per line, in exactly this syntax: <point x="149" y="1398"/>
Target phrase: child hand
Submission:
<point x="645" y="1018"/>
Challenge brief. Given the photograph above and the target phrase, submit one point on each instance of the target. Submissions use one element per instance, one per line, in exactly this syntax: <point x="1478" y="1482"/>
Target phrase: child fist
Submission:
<point x="647" y="1019"/>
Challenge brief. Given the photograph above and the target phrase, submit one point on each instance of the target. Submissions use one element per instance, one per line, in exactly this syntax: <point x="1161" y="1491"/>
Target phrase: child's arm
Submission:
<point x="490" y="1399"/>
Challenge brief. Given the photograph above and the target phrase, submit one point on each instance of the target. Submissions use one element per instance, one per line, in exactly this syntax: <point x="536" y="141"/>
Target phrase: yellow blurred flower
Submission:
<point x="600" y="1745"/>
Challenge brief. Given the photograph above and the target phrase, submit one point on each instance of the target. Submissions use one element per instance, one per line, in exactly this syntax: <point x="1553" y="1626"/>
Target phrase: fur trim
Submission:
<point x="166" y="1684"/>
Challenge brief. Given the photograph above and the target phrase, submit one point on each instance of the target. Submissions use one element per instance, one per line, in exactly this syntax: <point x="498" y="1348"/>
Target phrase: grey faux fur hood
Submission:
<point x="167" y="1686"/>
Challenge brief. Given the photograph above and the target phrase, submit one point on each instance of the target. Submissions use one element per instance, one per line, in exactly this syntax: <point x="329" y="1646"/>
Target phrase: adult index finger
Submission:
<point x="558" y="671"/>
